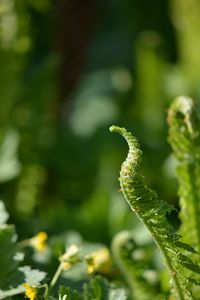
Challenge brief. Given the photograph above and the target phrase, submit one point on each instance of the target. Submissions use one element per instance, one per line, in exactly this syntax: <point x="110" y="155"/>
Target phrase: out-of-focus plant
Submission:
<point x="129" y="271"/>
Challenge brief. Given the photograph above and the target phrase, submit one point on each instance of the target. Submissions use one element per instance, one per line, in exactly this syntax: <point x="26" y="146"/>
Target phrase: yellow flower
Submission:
<point x="30" y="292"/>
<point x="99" y="261"/>
<point x="38" y="242"/>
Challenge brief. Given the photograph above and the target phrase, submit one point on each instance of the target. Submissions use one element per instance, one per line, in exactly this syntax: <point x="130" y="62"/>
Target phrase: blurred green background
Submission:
<point x="68" y="70"/>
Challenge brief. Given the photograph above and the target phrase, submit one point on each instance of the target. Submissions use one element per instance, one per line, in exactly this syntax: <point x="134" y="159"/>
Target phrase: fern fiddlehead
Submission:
<point x="152" y="212"/>
<point x="131" y="261"/>
<point x="184" y="137"/>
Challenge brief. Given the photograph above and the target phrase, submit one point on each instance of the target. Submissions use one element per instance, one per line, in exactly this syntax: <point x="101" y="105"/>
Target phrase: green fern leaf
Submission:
<point x="145" y="203"/>
<point x="184" y="137"/>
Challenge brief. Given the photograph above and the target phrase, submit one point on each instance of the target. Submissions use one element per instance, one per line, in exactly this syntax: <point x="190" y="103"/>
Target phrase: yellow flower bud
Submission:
<point x="38" y="242"/>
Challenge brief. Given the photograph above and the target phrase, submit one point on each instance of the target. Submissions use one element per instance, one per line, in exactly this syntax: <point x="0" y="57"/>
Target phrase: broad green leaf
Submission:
<point x="18" y="277"/>
<point x="12" y="277"/>
<point x="9" y="260"/>
<point x="8" y="249"/>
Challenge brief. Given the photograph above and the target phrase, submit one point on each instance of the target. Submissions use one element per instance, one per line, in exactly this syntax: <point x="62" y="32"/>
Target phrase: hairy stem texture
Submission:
<point x="152" y="212"/>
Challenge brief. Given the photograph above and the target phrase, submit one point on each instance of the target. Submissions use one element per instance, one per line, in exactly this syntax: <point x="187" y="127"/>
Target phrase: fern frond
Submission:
<point x="152" y="212"/>
<point x="131" y="261"/>
<point x="184" y="137"/>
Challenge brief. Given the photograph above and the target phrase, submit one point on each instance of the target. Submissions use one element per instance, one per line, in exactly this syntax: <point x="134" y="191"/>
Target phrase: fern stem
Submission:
<point x="167" y="259"/>
<point x="171" y="269"/>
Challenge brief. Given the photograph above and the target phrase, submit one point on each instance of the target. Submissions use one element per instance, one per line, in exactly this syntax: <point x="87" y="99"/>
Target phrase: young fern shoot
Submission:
<point x="152" y="212"/>
<point x="184" y="137"/>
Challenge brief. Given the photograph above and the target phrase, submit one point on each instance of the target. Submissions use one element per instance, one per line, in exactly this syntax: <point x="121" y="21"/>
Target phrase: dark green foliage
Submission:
<point x="97" y="288"/>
